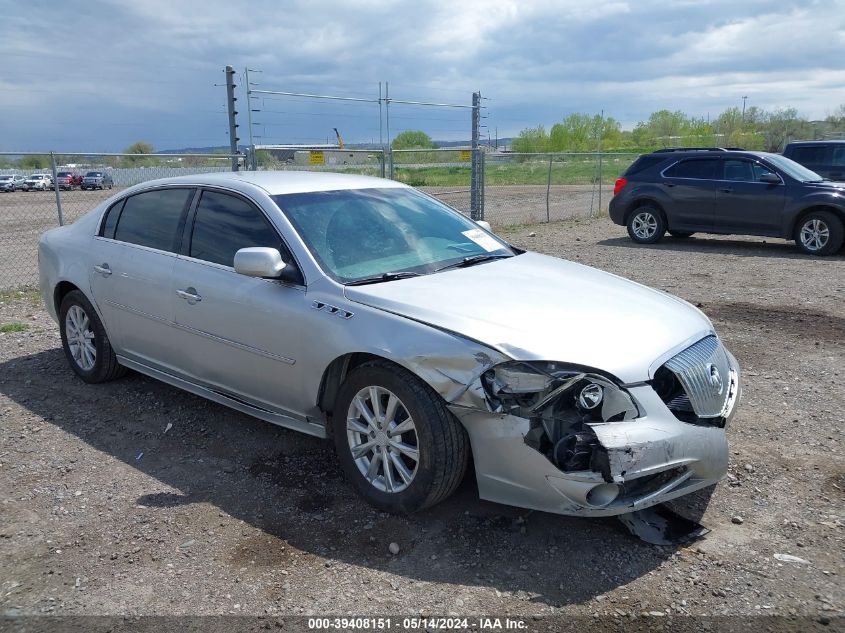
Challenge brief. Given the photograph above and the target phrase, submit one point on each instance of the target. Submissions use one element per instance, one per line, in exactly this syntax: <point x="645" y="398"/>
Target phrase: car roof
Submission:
<point x="686" y="153"/>
<point x="282" y="182"/>
<point x="832" y="141"/>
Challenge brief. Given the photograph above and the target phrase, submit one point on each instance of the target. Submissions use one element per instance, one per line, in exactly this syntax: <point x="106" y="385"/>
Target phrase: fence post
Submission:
<point x="548" y="189"/>
<point x="233" y="126"/>
<point x="475" y="179"/>
<point x="391" y="172"/>
<point x="598" y="212"/>
<point x="483" y="184"/>
<point x="56" y="187"/>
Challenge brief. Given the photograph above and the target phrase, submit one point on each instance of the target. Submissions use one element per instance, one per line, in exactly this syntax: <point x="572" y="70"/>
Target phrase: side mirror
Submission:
<point x="484" y="225"/>
<point x="772" y="179"/>
<point x="259" y="262"/>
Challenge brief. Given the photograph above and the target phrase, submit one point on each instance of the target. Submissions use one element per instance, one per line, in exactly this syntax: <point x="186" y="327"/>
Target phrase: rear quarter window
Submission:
<point x="644" y="162"/>
<point x="809" y="154"/>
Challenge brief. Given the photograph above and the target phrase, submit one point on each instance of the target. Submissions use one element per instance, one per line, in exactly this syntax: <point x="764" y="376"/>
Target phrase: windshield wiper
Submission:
<point x="471" y="261"/>
<point x="402" y="274"/>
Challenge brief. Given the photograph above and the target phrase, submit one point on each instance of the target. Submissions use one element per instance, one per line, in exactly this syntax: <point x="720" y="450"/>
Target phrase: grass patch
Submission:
<point x="575" y="171"/>
<point x="12" y="327"/>
<point x="31" y="295"/>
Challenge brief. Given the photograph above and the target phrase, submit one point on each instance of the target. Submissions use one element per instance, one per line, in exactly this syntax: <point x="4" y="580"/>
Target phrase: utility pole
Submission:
<point x="476" y="212"/>
<point x="743" y="108"/>
<point x="233" y="126"/>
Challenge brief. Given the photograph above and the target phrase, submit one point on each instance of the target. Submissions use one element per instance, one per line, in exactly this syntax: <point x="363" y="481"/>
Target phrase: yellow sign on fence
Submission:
<point x="316" y="158"/>
<point x="465" y="155"/>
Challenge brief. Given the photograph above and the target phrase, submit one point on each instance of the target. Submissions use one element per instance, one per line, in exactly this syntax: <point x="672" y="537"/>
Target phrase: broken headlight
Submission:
<point x="560" y="401"/>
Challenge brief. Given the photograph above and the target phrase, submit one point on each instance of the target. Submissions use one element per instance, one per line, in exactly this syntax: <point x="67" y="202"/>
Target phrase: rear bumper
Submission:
<point x="616" y="210"/>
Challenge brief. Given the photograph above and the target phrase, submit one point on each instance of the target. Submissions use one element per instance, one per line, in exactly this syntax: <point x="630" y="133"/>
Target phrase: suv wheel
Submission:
<point x="84" y="340"/>
<point x="819" y="233"/>
<point x="646" y="225"/>
<point x="398" y="444"/>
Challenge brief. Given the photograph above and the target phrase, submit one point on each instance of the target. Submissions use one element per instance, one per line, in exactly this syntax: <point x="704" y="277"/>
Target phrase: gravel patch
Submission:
<point x="135" y="498"/>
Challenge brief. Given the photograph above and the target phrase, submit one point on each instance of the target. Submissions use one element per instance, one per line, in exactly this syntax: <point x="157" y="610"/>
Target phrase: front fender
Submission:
<point x="797" y="207"/>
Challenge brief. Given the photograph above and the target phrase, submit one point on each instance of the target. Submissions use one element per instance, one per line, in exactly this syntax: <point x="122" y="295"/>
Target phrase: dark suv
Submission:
<point x="729" y="191"/>
<point x="826" y="158"/>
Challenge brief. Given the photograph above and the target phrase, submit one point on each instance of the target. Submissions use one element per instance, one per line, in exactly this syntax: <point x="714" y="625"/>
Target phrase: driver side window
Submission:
<point x="224" y="224"/>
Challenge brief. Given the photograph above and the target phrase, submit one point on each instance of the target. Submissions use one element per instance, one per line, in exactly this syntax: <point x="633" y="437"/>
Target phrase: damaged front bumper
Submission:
<point x="637" y="463"/>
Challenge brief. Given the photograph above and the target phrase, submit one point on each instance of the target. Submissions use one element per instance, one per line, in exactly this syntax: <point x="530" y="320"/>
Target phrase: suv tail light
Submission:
<point x="620" y="184"/>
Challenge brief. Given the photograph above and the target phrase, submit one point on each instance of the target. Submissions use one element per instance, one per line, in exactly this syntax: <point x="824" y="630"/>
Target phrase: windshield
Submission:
<point x="6" y="177"/>
<point x="361" y="233"/>
<point x="63" y="173"/>
<point x="93" y="174"/>
<point x="793" y="169"/>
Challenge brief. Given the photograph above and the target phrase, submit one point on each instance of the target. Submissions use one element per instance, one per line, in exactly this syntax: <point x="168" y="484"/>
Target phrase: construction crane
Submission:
<point x="339" y="138"/>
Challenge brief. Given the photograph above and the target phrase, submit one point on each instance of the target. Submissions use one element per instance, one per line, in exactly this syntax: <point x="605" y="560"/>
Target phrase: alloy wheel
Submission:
<point x="815" y="234"/>
<point x="383" y="439"/>
<point x="80" y="338"/>
<point x="644" y="225"/>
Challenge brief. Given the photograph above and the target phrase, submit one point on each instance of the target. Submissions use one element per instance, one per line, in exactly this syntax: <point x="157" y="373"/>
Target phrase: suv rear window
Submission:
<point x="643" y="163"/>
<point x="809" y="154"/>
<point x="698" y="168"/>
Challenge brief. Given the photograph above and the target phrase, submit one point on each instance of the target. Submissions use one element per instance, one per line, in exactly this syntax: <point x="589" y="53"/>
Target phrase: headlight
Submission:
<point x="537" y="389"/>
<point x="560" y="401"/>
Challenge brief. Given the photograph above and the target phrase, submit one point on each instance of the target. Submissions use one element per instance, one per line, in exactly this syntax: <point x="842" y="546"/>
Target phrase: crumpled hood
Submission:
<point x="535" y="307"/>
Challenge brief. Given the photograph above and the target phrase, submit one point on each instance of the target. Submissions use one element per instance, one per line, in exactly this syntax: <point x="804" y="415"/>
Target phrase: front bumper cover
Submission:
<point x="651" y="459"/>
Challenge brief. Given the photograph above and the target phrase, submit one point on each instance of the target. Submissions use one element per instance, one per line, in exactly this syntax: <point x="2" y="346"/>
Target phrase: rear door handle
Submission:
<point x="190" y="295"/>
<point x="104" y="270"/>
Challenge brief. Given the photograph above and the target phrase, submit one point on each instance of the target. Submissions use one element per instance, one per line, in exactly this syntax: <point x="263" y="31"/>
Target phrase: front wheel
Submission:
<point x="819" y="233"/>
<point x="646" y="225"/>
<point x="398" y="444"/>
<point x="84" y="340"/>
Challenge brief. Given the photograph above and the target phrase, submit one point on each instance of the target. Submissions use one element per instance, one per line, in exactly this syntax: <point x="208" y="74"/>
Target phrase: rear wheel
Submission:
<point x="646" y="225"/>
<point x="84" y="340"/>
<point x="819" y="233"/>
<point x="681" y="234"/>
<point x="399" y="445"/>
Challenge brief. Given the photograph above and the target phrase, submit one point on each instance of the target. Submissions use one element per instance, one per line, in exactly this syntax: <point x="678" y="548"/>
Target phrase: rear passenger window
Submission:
<point x="701" y="168"/>
<point x="809" y="154"/>
<point x="225" y="224"/>
<point x="838" y="159"/>
<point x="153" y="218"/>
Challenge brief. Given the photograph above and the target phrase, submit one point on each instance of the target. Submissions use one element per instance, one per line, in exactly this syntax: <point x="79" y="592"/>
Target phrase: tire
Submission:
<point x="819" y="233"/>
<point x="646" y="225"/>
<point x="442" y="446"/>
<point x="681" y="234"/>
<point x="77" y="315"/>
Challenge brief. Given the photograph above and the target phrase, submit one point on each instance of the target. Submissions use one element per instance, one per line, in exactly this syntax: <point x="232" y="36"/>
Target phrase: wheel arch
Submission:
<point x="61" y="290"/>
<point x="799" y="218"/>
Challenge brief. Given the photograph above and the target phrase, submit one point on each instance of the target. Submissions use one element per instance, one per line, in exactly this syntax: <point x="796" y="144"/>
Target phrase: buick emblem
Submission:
<point x="716" y="386"/>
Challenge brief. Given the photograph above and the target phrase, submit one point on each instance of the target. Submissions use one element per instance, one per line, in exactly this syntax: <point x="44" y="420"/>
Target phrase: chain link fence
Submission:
<point x="28" y="207"/>
<point x="529" y="188"/>
<point x="509" y="188"/>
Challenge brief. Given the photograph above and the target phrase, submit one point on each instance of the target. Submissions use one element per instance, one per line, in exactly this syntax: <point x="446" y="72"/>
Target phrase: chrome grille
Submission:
<point x="705" y="374"/>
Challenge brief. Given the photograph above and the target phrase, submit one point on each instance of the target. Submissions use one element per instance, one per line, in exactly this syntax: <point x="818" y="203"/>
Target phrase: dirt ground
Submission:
<point x="108" y="509"/>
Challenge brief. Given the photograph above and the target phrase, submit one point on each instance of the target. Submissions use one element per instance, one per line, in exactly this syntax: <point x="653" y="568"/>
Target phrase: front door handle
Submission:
<point x="726" y="190"/>
<point x="190" y="295"/>
<point x="104" y="270"/>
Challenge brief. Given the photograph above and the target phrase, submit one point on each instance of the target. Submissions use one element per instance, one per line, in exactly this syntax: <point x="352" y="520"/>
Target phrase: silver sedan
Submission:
<point x="364" y="311"/>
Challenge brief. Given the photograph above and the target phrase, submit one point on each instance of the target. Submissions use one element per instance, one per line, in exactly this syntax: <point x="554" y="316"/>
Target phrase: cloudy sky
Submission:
<point x="99" y="75"/>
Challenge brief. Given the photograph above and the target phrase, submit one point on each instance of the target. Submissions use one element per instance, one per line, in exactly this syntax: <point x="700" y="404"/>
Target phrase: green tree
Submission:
<point x="531" y="139"/>
<point x="413" y="139"/>
<point x="36" y="161"/>
<point x="141" y="148"/>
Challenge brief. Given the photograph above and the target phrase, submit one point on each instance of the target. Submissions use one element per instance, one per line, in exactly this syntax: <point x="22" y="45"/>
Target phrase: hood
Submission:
<point x="535" y="307"/>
